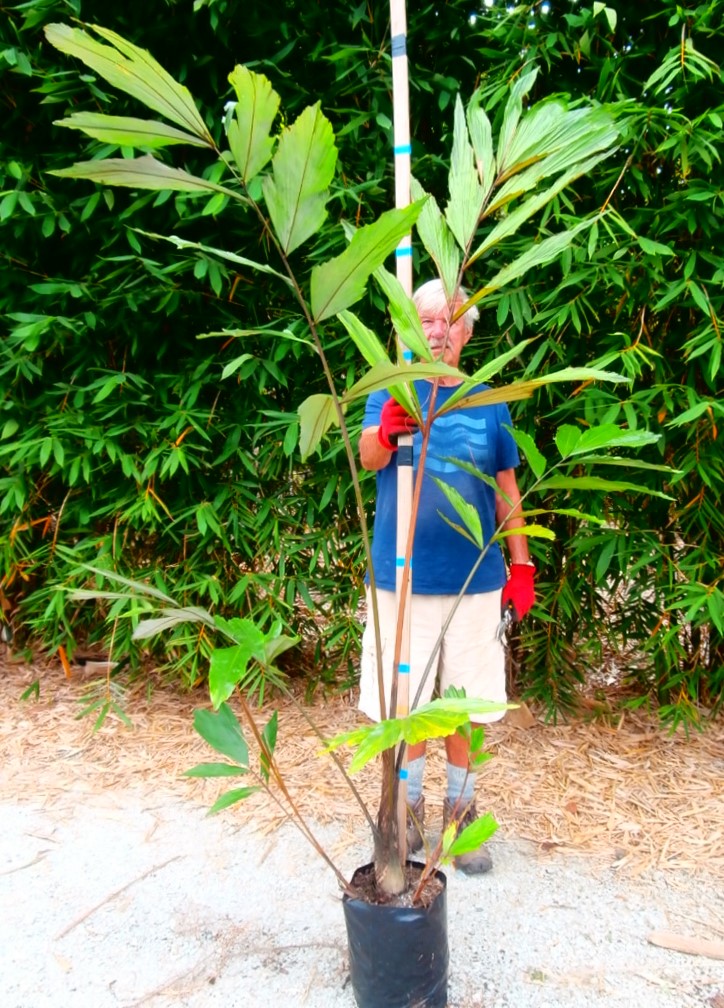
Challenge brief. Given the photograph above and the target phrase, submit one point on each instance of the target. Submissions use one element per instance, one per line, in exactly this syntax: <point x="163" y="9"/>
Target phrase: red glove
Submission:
<point x="519" y="591"/>
<point x="394" y="420"/>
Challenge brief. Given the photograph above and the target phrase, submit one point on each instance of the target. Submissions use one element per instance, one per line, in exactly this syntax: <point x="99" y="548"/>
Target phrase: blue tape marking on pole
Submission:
<point x="398" y="44"/>
<point x="403" y="149"/>
<point x="408" y="355"/>
<point x="402" y="252"/>
<point x="404" y="455"/>
<point x="403" y="669"/>
<point x="403" y="774"/>
<point x="399" y="562"/>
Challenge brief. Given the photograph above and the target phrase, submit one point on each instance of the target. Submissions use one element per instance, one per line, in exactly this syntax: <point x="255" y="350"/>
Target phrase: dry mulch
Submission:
<point x="629" y="792"/>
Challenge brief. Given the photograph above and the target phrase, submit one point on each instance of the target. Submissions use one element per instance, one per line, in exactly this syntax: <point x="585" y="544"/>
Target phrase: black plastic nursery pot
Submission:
<point x="398" y="956"/>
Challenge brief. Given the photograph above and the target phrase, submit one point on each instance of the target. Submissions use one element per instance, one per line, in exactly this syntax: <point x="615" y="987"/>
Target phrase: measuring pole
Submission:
<point x="402" y="150"/>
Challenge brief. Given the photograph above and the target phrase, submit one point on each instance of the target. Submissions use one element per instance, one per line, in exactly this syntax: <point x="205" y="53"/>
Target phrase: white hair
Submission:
<point x="430" y="297"/>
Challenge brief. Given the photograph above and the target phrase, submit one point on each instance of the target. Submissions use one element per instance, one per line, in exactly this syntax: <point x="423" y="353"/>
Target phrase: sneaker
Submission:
<point x="475" y="862"/>
<point x="415" y="825"/>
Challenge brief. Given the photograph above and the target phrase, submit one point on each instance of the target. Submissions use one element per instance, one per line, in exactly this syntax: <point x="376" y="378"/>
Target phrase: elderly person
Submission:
<point x="472" y="654"/>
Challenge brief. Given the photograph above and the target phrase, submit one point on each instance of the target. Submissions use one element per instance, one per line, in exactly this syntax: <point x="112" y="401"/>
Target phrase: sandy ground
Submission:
<point x="118" y="891"/>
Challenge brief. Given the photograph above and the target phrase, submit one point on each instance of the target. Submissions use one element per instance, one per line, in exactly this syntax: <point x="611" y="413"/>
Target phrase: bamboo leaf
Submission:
<point x="533" y="530"/>
<point x="597" y="483"/>
<point x="536" y="460"/>
<point x="142" y="173"/>
<point x="169" y="619"/>
<point x="466" y="512"/>
<point x="215" y="770"/>
<point x="302" y="168"/>
<point x="466" y="194"/>
<point x="133" y="71"/>
<point x="339" y="282"/>
<point x="567" y="438"/>
<point x="611" y="436"/>
<point x="249" y="131"/>
<point x="316" y="415"/>
<point x="495" y="366"/>
<point x="128" y="132"/>
<point x="404" y="315"/>
<point x="232" y="797"/>
<point x="437" y="238"/>
<point x="364" y="339"/>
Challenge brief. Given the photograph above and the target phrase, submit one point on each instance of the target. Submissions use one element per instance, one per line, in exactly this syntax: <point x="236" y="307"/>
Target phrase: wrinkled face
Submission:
<point x="446" y="341"/>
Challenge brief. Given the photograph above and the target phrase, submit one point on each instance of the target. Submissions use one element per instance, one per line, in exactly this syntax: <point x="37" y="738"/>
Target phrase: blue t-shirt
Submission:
<point x="442" y="557"/>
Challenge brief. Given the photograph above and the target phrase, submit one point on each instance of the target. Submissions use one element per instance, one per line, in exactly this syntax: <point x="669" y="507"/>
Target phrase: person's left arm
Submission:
<point x="518" y="594"/>
<point x="508" y="513"/>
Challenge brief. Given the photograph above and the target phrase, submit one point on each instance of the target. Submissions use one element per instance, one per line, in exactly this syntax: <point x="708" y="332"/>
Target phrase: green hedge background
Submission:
<point x="122" y="446"/>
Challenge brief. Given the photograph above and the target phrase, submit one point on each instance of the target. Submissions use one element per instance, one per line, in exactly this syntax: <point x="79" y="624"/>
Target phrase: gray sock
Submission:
<point x="415" y="772"/>
<point x="460" y="784"/>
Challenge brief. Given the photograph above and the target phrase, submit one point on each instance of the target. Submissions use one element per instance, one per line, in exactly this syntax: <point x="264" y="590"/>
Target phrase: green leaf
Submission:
<point x="612" y="436"/>
<point x="141" y="173"/>
<point x="233" y="366"/>
<point x="169" y="619"/>
<point x="364" y="339"/>
<point x="215" y="770"/>
<point x="128" y="132"/>
<point x="495" y="366"/>
<point x="136" y="587"/>
<point x="316" y="415"/>
<point x="302" y="168"/>
<point x="481" y="135"/>
<point x="437" y="238"/>
<point x="436" y="719"/>
<point x="477" y="833"/>
<point x="467" y="513"/>
<point x="538" y="254"/>
<point x="339" y="282"/>
<point x="256" y="108"/>
<point x="231" y="798"/>
<point x="567" y="438"/>
<point x="653" y="247"/>
<point x="396" y="376"/>
<point x="404" y="315"/>
<point x="228" y="666"/>
<point x="183" y="243"/>
<point x="597" y="483"/>
<point x="511" y="117"/>
<point x="527" y="445"/>
<point x="466" y="194"/>
<point x="269" y="738"/>
<point x="133" y="71"/>
<point x="222" y="731"/>
<point x="531" y="529"/>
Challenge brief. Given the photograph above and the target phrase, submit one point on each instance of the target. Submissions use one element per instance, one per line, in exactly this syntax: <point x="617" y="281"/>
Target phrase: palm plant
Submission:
<point x="283" y="179"/>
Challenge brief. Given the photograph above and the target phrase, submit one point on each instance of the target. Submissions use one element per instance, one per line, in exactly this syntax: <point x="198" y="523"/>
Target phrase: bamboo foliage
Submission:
<point x="118" y="435"/>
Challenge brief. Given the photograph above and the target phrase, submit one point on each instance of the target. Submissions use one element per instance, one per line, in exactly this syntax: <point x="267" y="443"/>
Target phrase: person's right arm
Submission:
<point x="371" y="453"/>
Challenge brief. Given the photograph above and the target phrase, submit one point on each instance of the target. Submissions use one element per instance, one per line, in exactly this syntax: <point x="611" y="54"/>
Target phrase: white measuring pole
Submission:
<point x="402" y="151"/>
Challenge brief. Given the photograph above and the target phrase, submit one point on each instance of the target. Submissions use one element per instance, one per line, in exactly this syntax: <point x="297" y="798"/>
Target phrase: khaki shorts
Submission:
<point x="471" y="655"/>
